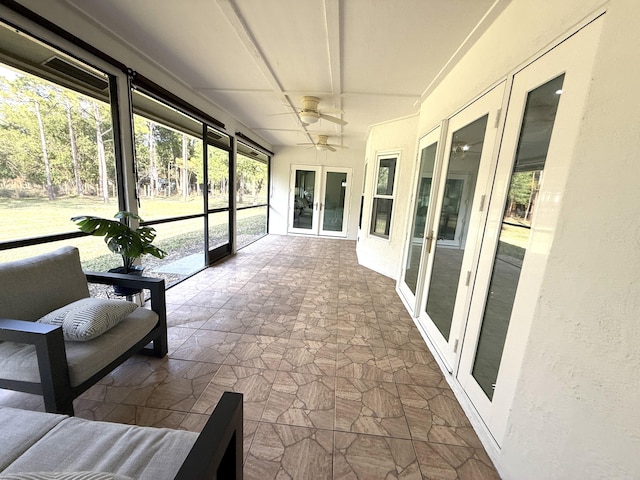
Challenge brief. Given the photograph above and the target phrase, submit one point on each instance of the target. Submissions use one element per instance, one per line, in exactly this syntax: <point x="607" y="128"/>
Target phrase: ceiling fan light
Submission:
<point x="309" y="117"/>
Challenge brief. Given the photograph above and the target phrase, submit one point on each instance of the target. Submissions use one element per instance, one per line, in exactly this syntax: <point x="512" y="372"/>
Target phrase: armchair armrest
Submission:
<point x="158" y="298"/>
<point x="54" y="383"/>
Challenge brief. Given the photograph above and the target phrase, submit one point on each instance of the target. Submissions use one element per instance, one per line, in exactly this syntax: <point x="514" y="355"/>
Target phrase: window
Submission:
<point x="57" y="149"/>
<point x="252" y="184"/>
<point x="382" y="204"/>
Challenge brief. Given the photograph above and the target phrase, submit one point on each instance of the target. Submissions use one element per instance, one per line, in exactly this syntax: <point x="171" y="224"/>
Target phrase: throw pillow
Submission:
<point x="88" y="318"/>
<point x="62" y="476"/>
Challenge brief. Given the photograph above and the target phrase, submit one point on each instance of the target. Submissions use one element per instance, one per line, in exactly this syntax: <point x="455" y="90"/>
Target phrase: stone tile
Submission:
<point x="251" y="303"/>
<point x="257" y="351"/>
<point x="360" y="317"/>
<point x="154" y="417"/>
<point x="207" y="346"/>
<point x="301" y="399"/>
<point x="210" y="298"/>
<point x="284" y="305"/>
<point x="308" y="356"/>
<point x="434" y="415"/>
<point x="92" y="409"/>
<point x="364" y="362"/>
<point x="355" y="332"/>
<point x="404" y="340"/>
<point x="288" y="452"/>
<point x="194" y="422"/>
<point x="192" y="316"/>
<point x="365" y="406"/>
<point x="315" y="327"/>
<point x="253" y="383"/>
<point x="273" y="325"/>
<point x="444" y="462"/>
<point x="361" y="457"/>
<point x="415" y="367"/>
<point x="158" y="383"/>
<point x="230" y="320"/>
<point x="176" y="336"/>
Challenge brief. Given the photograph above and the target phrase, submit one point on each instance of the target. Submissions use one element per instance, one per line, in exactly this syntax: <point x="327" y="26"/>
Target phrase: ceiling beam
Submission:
<point x="334" y="48"/>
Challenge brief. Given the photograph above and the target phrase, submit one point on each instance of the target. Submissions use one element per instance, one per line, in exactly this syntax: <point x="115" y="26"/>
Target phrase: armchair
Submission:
<point x="35" y="358"/>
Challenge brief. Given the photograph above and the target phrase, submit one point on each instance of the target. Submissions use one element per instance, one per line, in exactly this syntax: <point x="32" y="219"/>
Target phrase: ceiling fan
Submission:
<point x="322" y="144"/>
<point x="309" y="112"/>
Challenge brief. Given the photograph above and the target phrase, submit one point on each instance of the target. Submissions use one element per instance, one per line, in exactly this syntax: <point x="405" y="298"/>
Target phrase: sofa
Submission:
<point x="39" y="446"/>
<point x="56" y="341"/>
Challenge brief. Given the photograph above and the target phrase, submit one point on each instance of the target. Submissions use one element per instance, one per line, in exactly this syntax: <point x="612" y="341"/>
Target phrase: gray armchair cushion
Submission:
<point x="75" y="445"/>
<point x="35" y="286"/>
<point x="63" y="476"/>
<point x="84" y="358"/>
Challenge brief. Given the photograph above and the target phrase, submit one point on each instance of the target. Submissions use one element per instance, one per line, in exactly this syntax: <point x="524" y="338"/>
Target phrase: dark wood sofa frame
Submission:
<point x="55" y="385"/>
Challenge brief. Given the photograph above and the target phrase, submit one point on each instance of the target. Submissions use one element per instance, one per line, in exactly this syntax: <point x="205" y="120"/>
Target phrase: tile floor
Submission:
<point x="337" y="381"/>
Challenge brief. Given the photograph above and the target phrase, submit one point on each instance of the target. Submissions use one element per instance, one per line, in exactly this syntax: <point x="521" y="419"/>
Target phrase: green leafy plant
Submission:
<point x="120" y="238"/>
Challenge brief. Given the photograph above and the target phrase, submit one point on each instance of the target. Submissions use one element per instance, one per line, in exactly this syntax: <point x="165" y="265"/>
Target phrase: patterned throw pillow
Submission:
<point x="62" y="476"/>
<point x="88" y="318"/>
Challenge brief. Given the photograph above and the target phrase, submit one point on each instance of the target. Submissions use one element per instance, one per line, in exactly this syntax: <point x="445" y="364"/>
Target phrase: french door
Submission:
<point x="544" y="114"/>
<point x="447" y="216"/>
<point x="318" y="200"/>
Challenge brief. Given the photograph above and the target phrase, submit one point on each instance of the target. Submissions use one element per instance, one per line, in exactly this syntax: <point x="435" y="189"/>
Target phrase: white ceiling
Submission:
<point x="372" y="59"/>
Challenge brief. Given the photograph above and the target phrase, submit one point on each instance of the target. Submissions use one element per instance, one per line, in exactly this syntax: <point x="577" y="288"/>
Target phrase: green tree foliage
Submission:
<point x="37" y="122"/>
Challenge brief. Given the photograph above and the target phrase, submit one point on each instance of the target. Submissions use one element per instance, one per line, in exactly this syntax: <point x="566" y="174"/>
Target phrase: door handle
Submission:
<point x="429" y="240"/>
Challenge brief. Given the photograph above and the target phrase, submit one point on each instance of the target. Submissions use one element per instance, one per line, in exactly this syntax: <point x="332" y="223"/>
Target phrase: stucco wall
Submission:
<point x="281" y="168"/>
<point x="385" y="256"/>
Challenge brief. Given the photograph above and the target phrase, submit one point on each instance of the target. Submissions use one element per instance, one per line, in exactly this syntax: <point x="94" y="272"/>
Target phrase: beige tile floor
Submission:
<point x="337" y="381"/>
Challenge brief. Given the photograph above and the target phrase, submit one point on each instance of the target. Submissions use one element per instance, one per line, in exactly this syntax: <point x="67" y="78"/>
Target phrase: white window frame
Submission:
<point x="375" y="196"/>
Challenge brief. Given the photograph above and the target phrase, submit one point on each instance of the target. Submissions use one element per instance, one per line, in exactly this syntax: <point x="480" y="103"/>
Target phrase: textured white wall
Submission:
<point x="385" y="256"/>
<point x="281" y="168"/>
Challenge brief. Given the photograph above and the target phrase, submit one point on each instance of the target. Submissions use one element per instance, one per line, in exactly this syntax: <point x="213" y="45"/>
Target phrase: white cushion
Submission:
<point x="88" y="318"/>
<point x="63" y="476"/>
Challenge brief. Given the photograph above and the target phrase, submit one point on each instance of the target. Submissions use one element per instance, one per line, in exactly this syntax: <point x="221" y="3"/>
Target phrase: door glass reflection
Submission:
<point x="526" y="180"/>
<point x="304" y="198"/>
<point x="427" y="161"/>
<point x="462" y="172"/>
<point x="334" y="197"/>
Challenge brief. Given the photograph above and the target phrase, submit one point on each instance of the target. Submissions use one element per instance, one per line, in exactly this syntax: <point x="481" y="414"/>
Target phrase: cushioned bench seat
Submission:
<point x="60" y="443"/>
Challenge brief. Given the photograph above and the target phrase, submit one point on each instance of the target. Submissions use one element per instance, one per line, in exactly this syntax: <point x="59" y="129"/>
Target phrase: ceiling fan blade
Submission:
<point x="337" y="146"/>
<point x="305" y="144"/>
<point x="332" y="119"/>
<point x="330" y="148"/>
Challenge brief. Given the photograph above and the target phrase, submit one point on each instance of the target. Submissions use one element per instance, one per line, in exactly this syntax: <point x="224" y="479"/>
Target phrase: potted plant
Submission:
<point x="122" y="240"/>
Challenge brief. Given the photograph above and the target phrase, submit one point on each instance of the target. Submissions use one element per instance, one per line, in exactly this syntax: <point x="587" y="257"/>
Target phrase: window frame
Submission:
<point x="375" y="196"/>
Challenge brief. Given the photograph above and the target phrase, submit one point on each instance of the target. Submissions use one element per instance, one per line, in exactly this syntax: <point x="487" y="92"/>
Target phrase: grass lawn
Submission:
<point x="30" y="217"/>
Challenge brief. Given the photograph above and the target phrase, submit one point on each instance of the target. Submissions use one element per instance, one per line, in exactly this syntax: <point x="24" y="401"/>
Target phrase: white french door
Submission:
<point x="449" y="194"/>
<point x="544" y="113"/>
<point x="319" y="199"/>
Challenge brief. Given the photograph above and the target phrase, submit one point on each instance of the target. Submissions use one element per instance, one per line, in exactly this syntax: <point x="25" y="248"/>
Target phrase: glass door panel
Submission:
<point x="336" y="194"/>
<point x="524" y="187"/>
<point x="303" y="209"/>
<point x="453" y="222"/>
<point x="427" y="161"/>
<point x="449" y="249"/>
